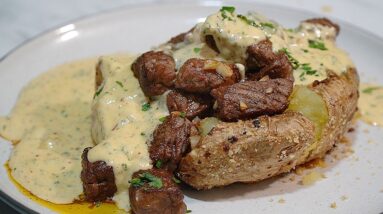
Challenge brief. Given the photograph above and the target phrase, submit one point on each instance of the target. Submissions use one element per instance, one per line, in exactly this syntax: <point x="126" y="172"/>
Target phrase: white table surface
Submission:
<point x="21" y="20"/>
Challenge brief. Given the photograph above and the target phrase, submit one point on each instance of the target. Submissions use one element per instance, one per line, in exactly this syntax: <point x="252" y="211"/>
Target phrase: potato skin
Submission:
<point x="241" y="152"/>
<point x="340" y="93"/>
<point x="247" y="151"/>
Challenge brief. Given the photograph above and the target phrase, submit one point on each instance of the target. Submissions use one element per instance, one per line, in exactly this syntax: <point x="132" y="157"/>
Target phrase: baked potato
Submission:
<point x="249" y="151"/>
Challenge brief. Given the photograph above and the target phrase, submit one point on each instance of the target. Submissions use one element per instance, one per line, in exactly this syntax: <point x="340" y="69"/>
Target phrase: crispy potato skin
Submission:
<point x="241" y="152"/>
<point x="247" y="151"/>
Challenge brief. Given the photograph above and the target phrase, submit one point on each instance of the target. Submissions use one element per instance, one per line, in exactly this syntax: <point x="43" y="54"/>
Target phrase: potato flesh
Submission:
<point x="312" y="106"/>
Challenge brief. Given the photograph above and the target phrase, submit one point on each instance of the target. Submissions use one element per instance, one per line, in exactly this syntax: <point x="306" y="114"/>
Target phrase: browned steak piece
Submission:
<point x="203" y="75"/>
<point x="171" y="141"/>
<point x="209" y="39"/>
<point x="97" y="178"/>
<point x="324" y="22"/>
<point x="180" y="37"/>
<point x="155" y="72"/>
<point x="262" y="61"/>
<point x="154" y="191"/>
<point x="192" y="105"/>
<point x="252" y="98"/>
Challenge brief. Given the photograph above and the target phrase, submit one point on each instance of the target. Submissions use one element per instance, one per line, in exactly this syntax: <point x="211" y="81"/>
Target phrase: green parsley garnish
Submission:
<point x="317" y="45"/>
<point x="227" y="9"/>
<point x="248" y="21"/>
<point x="142" y="134"/>
<point x="182" y="114"/>
<point x="145" y="107"/>
<point x="267" y="24"/>
<point x="307" y="70"/>
<point x="120" y="84"/>
<point x="98" y="92"/>
<point x="177" y="181"/>
<point x="197" y="50"/>
<point x="294" y="62"/>
<point x="369" y="90"/>
<point x="159" y="164"/>
<point x="148" y="178"/>
<point x="188" y="211"/>
<point x="162" y="119"/>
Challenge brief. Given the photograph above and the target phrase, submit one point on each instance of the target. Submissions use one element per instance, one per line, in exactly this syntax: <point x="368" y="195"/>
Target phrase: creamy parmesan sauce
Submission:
<point x="120" y="125"/>
<point x="370" y="104"/>
<point x="50" y="126"/>
<point x="233" y="34"/>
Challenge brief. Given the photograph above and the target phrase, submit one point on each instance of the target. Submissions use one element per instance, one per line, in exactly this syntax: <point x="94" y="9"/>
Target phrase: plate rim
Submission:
<point x="20" y="207"/>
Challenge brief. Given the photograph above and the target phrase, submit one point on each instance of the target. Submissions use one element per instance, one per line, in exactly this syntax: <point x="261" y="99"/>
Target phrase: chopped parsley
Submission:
<point x="177" y="181"/>
<point x="307" y="70"/>
<point x="248" y="21"/>
<point x="145" y="107"/>
<point x="142" y="134"/>
<point x="369" y="90"/>
<point x="267" y="24"/>
<point x="182" y="114"/>
<point x="148" y="178"/>
<point x="98" y="92"/>
<point x="294" y="62"/>
<point x="197" y="50"/>
<point x="188" y="211"/>
<point x="317" y="45"/>
<point x="225" y="10"/>
<point x="120" y="84"/>
<point x="162" y="119"/>
<point x="159" y="164"/>
<point x="261" y="25"/>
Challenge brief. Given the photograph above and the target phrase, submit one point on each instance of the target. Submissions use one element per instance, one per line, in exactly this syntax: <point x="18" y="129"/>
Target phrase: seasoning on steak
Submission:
<point x="154" y="191"/>
<point x="262" y="61"/>
<point x="192" y="105"/>
<point x="155" y="72"/>
<point x="252" y="98"/>
<point x="203" y="75"/>
<point x="171" y="141"/>
<point x="97" y="178"/>
<point x="324" y="22"/>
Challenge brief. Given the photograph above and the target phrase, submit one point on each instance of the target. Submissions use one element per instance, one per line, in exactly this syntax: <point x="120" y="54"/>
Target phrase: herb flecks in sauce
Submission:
<point x="370" y="104"/>
<point x="317" y="44"/>
<point x="47" y="159"/>
<point x="145" y="107"/>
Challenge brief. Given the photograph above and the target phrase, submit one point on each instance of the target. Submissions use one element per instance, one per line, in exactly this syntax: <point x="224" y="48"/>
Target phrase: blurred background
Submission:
<point x="21" y="20"/>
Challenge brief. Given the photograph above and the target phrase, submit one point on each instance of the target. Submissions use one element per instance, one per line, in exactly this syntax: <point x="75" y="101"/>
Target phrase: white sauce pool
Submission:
<point x="50" y="126"/>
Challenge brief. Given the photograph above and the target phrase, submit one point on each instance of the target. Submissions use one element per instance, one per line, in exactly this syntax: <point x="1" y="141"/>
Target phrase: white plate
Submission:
<point x="358" y="177"/>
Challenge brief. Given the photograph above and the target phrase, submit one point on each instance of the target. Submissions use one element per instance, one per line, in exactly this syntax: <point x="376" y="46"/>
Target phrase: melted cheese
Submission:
<point x="50" y="124"/>
<point x="121" y="127"/>
<point x="370" y="104"/>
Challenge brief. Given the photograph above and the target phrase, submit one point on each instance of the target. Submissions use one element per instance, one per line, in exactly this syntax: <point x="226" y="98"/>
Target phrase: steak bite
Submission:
<point x="154" y="191"/>
<point x="97" y="178"/>
<point x="250" y="99"/>
<point x="171" y="141"/>
<point x="155" y="72"/>
<point x="325" y="22"/>
<point x="203" y="75"/>
<point x="262" y="61"/>
<point x="192" y="105"/>
<point x="180" y="37"/>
